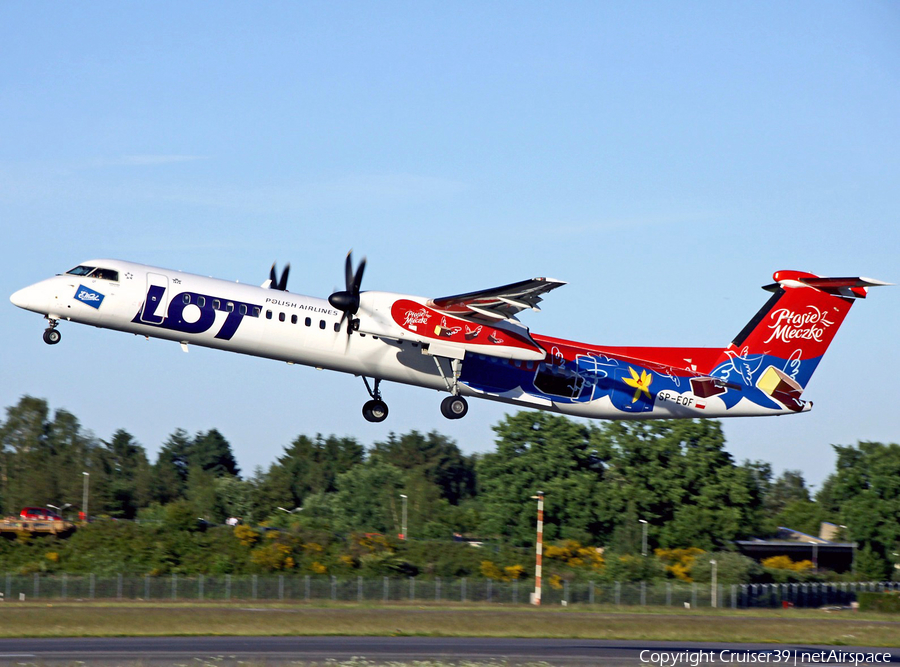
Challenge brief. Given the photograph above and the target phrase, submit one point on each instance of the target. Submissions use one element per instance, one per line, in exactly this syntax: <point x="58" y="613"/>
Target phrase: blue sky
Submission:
<point x="663" y="158"/>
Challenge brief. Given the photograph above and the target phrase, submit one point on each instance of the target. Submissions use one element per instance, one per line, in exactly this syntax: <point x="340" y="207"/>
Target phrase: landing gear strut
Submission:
<point x="454" y="406"/>
<point x="51" y="335"/>
<point x="375" y="410"/>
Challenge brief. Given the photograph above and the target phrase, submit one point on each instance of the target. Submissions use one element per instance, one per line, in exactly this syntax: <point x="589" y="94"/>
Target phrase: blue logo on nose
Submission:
<point x="88" y="296"/>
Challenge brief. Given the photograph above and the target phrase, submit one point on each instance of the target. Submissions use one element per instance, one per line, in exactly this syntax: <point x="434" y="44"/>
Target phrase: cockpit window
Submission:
<point x="95" y="272"/>
<point x="105" y="274"/>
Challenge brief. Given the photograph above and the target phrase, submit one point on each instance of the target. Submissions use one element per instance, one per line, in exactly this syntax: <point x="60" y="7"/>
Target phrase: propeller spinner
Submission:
<point x="347" y="301"/>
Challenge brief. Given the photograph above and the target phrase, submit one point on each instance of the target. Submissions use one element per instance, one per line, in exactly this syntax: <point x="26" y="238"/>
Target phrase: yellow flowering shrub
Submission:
<point x="785" y="563"/>
<point x="678" y="562"/>
<point x="573" y="554"/>
<point x="247" y="536"/>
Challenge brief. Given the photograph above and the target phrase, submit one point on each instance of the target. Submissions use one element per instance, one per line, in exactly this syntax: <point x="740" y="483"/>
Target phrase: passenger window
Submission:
<point x="281" y="317"/>
<point x="229" y="307"/>
<point x="293" y="319"/>
<point x="308" y="322"/>
<point x="256" y="311"/>
<point x="322" y="324"/>
<point x="201" y="301"/>
<point x="337" y="326"/>
<point x="243" y="309"/>
<point x="186" y="298"/>
<point x="268" y="314"/>
<point x="216" y="304"/>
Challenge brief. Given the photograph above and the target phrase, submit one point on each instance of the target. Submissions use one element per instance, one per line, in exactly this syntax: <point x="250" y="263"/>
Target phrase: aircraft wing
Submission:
<point x="497" y="303"/>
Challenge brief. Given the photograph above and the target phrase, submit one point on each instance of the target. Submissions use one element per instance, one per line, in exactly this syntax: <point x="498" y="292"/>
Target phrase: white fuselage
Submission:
<point x="289" y="327"/>
<point x="297" y="329"/>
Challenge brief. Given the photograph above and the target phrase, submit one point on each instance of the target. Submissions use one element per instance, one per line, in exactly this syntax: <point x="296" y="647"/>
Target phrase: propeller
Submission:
<point x="274" y="282"/>
<point x="347" y="301"/>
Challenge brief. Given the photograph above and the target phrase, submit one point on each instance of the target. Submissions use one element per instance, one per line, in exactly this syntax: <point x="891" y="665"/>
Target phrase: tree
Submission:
<point x="212" y="452"/>
<point x="42" y="459"/>
<point x="170" y="472"/>
<point x="790" y="487"/>
<point x="128" y="480"/>
<point x="537" y="451"/>
<point x="436" y="456"/>
<point x="308" y="466"/>
<point x="23" y="438"/>
<point x="865" y="491"/>
<point x="600" y="482"/>
<point x="683" y="482"/>
<point x="368" y="499"/>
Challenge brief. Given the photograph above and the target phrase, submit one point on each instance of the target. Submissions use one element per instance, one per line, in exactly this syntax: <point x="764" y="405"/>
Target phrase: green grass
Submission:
<point x="60" y="619"/>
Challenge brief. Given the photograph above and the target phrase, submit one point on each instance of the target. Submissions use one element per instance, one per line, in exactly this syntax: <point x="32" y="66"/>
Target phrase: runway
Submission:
<point x="299" y="650"/>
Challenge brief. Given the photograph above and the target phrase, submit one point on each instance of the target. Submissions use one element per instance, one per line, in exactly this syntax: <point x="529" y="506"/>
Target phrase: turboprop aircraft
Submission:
<point x="469" y="345"/>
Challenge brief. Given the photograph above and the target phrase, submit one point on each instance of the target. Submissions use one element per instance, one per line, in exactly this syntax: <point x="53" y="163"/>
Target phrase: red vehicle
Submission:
<point x="39" y="513"/>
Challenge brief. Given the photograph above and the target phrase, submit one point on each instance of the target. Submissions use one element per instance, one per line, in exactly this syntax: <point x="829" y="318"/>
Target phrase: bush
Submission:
<point x="731" y="568"/>
<point x="886" y="603"/>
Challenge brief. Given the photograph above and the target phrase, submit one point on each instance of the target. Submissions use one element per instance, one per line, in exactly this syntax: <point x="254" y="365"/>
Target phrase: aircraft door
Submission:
<point x="156" y="303"/>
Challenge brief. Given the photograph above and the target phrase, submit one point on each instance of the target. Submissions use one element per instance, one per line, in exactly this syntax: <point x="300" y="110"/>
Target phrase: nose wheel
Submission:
<point x="375" y="411"/>
<point x="454" y="407"/>
<point x="51" y="335"/>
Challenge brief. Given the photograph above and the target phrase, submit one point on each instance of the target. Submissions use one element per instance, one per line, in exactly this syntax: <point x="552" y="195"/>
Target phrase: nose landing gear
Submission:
<point x="375" y="410"/>
<point x="51" y="335"/>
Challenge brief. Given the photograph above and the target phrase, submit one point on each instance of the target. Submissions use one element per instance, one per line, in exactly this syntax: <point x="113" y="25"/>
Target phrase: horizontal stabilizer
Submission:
<point x="850" y="287"/>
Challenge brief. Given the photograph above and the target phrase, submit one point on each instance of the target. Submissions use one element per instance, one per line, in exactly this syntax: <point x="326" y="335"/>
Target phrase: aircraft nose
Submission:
<point x="22" y="298"/>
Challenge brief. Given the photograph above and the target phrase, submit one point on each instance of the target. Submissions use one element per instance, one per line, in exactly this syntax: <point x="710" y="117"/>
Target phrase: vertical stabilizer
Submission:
<point x="781" y="346"/>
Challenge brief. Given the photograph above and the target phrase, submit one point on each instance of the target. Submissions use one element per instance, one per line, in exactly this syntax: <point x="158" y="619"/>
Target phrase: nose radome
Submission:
<point x="22" y="298"/>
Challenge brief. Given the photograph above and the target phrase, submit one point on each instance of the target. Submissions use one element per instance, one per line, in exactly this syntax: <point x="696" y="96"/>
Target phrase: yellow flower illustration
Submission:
<point x="639" y="383"/>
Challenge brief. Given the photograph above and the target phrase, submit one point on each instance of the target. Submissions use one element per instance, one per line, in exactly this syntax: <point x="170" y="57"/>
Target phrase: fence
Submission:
<point x="386" y="589"/>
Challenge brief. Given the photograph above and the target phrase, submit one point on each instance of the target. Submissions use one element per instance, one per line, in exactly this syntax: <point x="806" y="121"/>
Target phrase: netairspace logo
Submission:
<point x="774" y="657"/>
<point x="88" y="296"/>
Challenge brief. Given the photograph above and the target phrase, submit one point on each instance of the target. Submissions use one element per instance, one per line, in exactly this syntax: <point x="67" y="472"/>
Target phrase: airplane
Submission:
<point x="468" y="345"/>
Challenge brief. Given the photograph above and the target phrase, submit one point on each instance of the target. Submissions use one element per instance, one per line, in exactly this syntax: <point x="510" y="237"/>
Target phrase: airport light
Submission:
<point x="714" y="592"/>
<point x="644" y="537"/>
<point x="539" y="547"/>
<point x="403" y="528"/>
<point x="84" y="497"/>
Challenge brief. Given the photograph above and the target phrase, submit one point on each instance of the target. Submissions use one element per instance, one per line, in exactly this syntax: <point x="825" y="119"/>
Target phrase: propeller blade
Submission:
<point x="357" y="279"/>
<point x="282" y="284"/>
<point x="272" y="279"/>
<point x="347" y="300"/>
<point x="348" y="272"/>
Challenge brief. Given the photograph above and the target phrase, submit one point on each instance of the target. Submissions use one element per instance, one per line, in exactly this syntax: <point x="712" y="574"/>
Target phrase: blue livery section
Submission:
<point x="89" y="297"/>
<point x="203" y="307"/>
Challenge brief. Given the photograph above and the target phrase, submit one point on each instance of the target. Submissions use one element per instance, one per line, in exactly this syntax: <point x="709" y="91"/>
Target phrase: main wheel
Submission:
<point x="375" y="411"/>
<point x="454" y="407"/>
<point x="52" y="336"/>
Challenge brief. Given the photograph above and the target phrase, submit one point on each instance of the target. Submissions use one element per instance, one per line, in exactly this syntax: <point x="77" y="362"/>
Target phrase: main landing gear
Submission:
<point x="51" y="335"/>
<point x="375" y="410"/>
<point x="454" y="406"/>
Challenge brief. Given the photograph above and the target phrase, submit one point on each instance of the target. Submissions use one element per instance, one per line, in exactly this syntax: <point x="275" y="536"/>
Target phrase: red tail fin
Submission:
<point x="781" y="346"/>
